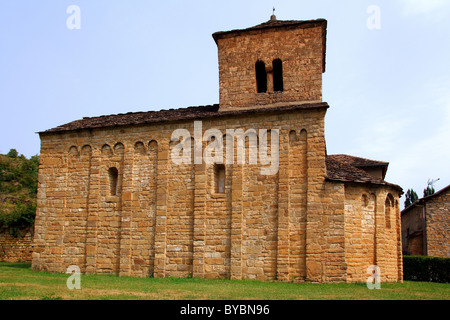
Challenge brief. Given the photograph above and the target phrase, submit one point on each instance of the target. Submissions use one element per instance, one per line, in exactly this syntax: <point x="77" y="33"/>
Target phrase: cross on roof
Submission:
<point x="273" y="17"/>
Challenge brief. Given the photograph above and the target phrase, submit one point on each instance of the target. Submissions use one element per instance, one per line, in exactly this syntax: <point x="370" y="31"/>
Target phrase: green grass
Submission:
<point x="19" y="282"/>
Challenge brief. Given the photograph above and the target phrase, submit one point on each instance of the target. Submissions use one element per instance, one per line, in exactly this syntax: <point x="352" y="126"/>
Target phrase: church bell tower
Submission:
<point x="276" y="63"/>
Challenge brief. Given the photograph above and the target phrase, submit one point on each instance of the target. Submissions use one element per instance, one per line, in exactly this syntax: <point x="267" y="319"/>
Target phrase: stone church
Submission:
<point x="114" y="199"/>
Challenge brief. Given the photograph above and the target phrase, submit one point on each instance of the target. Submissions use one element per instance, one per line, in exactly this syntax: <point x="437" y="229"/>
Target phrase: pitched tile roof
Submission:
<point x="273" y="23"/>
<point x="357" y="161"/>
<point x="345" y="168"/>
<point x="191" y="113"/>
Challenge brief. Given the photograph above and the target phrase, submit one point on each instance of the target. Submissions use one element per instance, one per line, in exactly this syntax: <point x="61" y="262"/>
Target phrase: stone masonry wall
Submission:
<point x="413" y="221"/>
<point x="161" y="219"/>
<point x="166" y="220"/>
<point x="16" y="248"/>
<point x="301" y="52"/>
<point x="437" y="225"/>
<point x="372" y="232"/>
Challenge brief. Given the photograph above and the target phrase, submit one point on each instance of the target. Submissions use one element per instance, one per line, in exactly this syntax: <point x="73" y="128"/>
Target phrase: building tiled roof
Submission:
<point x="342" y="168"/>
<point x="357" y="161"/>
<point x="362" y="163"/>
<point x="273" y="23"/>
<point x="191" y="113"/>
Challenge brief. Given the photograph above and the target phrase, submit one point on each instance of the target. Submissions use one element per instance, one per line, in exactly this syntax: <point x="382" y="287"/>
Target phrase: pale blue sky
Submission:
<point x="388" y="89"/>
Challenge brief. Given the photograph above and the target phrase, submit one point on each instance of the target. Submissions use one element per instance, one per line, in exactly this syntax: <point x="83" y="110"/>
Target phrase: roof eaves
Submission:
<point x="339" y="171"/>
<point x="271" y="25"/>
<point x="171" y="115"/>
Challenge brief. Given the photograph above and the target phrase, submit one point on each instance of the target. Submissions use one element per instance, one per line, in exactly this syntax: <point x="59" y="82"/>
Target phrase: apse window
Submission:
<point x="387" y="211"/>
<point x="113" y="174"/>
<point x="219" y="178"/>
<point x="261" y="76"/>
<point x="277" y="75"/>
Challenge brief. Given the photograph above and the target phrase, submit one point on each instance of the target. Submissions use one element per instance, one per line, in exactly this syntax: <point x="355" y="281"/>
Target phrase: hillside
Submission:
<point x="18" y="188"/>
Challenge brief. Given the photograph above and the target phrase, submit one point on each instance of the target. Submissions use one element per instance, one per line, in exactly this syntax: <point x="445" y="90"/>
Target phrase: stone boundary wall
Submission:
<point x="16" y="248"/>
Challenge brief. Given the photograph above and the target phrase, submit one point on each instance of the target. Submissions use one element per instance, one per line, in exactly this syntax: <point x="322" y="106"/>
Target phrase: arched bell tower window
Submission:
<point x="261" y="76"/>
<point x="277" y="75"/>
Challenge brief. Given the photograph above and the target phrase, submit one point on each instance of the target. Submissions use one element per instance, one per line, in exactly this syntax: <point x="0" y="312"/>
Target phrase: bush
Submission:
<point x="429" y="269"/>
<point x="21" y="216"/>
<point x="18" y="188"/>
<point x="18" y="174"/>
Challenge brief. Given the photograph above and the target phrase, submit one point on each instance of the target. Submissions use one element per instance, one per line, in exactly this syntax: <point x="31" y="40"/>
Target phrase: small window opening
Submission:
<point x="364" y="200"/>
<point x="292" y="136"/>
<point x="113" y="177"/>
<point x="219" y="178"/>
<point x="277" y="75"/>
<point x="387" y="211"/>
<point x="261" y="76"/>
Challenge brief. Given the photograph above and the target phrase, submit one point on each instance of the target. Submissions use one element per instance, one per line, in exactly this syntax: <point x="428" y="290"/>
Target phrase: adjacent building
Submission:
<point x="426" y="225"/>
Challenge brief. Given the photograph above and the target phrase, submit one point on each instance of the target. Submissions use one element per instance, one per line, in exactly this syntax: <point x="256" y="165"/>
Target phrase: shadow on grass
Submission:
<point x="16" y="265"/>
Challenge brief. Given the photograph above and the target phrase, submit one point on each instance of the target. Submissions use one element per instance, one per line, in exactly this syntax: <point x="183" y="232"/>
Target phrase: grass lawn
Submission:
<point x="19" y="282"/>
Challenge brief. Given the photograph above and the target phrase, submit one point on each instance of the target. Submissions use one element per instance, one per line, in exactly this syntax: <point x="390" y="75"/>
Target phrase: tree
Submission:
<point x="13" y="153"/>
<point x="411" y="197"/>
<point x="18" y="189"/>
<point x="428" y="191"/>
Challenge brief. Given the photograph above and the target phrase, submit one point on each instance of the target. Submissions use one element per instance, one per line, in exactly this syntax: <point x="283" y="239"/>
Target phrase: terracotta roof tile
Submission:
<point x="340" y="168"/>
<point x="273" y="24"/>
<point x="190" y="113"/>
<point x="357" y="161"/>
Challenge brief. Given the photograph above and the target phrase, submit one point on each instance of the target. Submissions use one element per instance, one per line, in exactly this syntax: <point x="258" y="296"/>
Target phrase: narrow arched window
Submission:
<point x="292" y="136"/>
<point x="261" y="76"/>
<point x="219" y="178"/>
<point x="113" y="174"/>
<point x="364" y="201"/>
<point x="389" y="203"/>
<point x="277" y="75"/>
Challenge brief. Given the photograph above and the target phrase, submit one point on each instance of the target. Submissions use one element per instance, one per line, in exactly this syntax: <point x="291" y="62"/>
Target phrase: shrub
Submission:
<point x="21" y="216"/>
<point x="429" y="269"/>
<point x="18" y="188"/>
